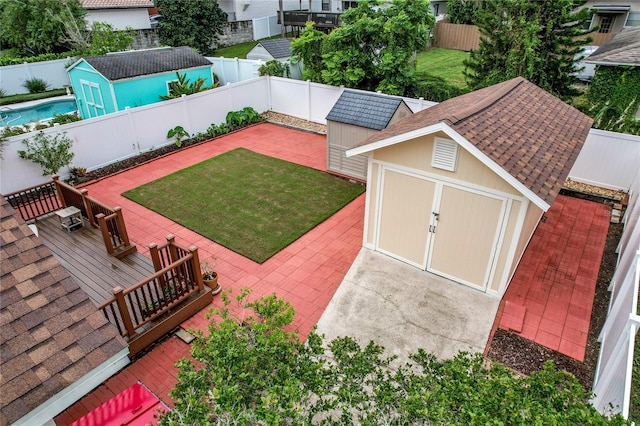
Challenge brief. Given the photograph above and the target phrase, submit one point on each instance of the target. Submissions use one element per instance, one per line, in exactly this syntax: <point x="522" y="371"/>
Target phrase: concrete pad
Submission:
<point x="403" y="309"/>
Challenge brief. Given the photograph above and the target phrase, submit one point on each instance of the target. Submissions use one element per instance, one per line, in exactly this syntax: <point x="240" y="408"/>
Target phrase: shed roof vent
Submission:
<point x="445" y="154"/>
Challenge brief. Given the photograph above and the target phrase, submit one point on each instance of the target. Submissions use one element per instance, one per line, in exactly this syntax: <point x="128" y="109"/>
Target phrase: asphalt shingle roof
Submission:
<point x="123" y="65"/>
<point x="623" y="48"/>
<point x="116" y="4"/>
<point x="51" y="334"/>
<point x="369" y="110"/>
<point x="278" y="48"/>
<point x="530" y="133"/>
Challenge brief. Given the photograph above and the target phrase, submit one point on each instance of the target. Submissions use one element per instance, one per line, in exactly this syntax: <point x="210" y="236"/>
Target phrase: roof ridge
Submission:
<point x="496" y="95"/>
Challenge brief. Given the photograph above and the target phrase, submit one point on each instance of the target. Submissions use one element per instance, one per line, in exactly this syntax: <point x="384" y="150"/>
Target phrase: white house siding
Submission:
<point x="120" y="19"/>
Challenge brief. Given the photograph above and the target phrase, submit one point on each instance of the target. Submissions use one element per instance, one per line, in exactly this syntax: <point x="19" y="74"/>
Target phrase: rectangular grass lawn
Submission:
<point x="250" y="203"/>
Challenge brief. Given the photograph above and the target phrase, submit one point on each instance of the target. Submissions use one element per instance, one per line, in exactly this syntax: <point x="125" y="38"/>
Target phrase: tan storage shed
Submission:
<point x="459" y="188"/>
<point x="354" y="117"/>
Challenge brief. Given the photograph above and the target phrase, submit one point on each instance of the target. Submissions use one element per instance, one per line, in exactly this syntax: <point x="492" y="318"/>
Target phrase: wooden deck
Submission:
<point x="82" y="252"/>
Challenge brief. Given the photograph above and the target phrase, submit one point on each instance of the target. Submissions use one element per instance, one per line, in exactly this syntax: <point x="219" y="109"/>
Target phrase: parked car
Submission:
<point x="585" y="71"/>
<point x="155" y="20"/>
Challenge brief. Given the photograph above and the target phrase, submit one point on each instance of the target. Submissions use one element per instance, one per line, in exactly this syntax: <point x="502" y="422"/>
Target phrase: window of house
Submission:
<point x="349" y="4"/>
<point x="325" y="5"/>
<point x="171" y="85"/>
<point x="606" y="23"/>
<point x="633" y="19"/>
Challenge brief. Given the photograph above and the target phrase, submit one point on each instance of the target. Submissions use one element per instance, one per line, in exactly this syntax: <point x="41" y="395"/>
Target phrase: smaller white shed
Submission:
<point x="268" y="50"/>
<point x="354" y="117"/>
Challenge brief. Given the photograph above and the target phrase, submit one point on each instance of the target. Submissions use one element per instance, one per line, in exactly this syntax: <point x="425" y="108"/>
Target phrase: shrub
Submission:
<point x="275" y="68"/>
<point x="36" y="85"/>
<point x="65" y="118"/>
<point x="52" y="152"/>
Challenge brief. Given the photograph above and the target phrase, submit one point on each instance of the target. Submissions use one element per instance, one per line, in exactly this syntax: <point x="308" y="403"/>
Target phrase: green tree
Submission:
<point x="374" y="48"/>
<point x="105" y="39"/>
<point x="195" y="23"/>
<point x="462" y="11"/>
<point x="537" y="40"/>
<point x="251" y="369"/>
<point x="52" y="152"/>
<point x="39" y="25"/>
<point x="308" y="49"/>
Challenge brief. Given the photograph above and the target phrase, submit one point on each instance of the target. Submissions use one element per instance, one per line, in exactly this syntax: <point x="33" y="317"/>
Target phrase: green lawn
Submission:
<point x="445" y="63"/>
<point x="250" y="203"/>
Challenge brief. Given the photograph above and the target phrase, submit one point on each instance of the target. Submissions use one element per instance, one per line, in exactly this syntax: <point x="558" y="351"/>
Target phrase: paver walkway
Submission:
<point x="551" y="294"/>
<point x="306" y="273"/>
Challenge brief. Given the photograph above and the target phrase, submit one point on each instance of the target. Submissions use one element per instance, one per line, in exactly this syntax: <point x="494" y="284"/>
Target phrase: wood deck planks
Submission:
<point x="83" y="254"/>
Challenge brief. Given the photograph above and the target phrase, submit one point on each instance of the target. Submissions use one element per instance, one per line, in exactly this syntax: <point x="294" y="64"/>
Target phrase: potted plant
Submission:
<point x="210" y="277"/>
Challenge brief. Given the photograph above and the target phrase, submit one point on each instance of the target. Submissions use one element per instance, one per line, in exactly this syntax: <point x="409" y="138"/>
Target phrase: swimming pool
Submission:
<point x="13" y="116"/>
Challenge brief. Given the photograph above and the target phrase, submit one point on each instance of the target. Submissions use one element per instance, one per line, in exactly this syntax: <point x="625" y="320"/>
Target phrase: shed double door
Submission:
<point x="443" y="228"/>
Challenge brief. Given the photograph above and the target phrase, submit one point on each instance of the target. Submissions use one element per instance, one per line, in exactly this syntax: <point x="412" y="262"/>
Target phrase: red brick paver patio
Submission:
<point x="306" y="273"/>
<point x="551" y="294"/>
<point x="549" y="299"/>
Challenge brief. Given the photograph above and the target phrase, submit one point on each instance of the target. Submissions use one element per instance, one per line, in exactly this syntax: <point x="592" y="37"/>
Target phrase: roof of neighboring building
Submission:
<point x="117" y="4"/>
<point x="278" y="48"/>
<point x="135" y="63"/>
<point x="370" y="110"/>
<point x="621" y="49"/>
<point x="527" y="132"/>
<point x="51" y="333"/>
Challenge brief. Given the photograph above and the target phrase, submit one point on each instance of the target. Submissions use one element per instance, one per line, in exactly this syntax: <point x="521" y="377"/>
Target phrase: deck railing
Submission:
<point x="131" y="309"/>
<point x="35" y="201"/>
<point x="48" y="197"/>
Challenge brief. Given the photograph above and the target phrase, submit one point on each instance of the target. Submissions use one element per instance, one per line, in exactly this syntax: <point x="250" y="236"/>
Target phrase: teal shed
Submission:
<point x="112" y="82"/>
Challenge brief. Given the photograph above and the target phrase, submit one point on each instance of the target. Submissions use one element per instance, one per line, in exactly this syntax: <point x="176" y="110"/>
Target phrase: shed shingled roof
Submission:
<point x="51" y="333"/>
<point x="123" y="65"/>
<point x="621" y="49"/>
<point x="369" y="110"/>
<point x="529" y="133"/>
<point x="117" y="4"/>
<point x="278" y="48"/>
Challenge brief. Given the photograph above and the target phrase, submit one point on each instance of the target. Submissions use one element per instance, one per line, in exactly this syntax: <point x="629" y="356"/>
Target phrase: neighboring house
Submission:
<point x="112" y="82"/>
<point x="621" y="50"/>
<point x="56" y="345"/>
<point x="268" y="50"/>
<point x="246" y="10"/>
<point x="458" y="189"/>
<point x="354" y="117"/>
<point x="120" y="14"/>
<point x="613" y="15"/>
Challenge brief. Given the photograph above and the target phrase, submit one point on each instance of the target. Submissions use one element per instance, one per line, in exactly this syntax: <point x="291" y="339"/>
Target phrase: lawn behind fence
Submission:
<point x="250" y="203"/>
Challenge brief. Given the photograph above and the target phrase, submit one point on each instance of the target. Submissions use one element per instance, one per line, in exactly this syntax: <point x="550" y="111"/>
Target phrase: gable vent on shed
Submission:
<point x="445" y="154"/>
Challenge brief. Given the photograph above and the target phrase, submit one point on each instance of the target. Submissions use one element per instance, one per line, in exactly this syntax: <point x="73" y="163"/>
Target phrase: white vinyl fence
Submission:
<point x="233" y="70"/>
<point x="54" y="73"/>
<point x="608" y="160"/>
<point x="612" y="382"/>
<point x="265" y="27"/>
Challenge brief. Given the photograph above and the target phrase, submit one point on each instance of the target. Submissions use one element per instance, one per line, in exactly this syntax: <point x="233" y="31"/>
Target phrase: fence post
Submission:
<point x="56" y="181"/>
<point x="102" y="223"/>
<point x="173" y="252"/>
<point x="155" y="256"/>
<point x="87" y="206"/>
<point x="196" y="267"/>
<point x="122" y="228"/>
<point x="124" y="311"/>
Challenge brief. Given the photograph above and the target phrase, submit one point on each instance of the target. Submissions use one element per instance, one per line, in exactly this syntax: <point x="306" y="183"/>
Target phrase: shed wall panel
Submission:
<point x="416" y="154"/>
<point x="501" y="260"/>
<point x="534" y="213"/>
<point x="340" y="138"/>
<point x="372" y="202"/>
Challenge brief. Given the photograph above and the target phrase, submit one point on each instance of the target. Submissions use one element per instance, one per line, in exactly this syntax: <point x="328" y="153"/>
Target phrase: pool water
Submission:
<point x="16" y="116"/>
